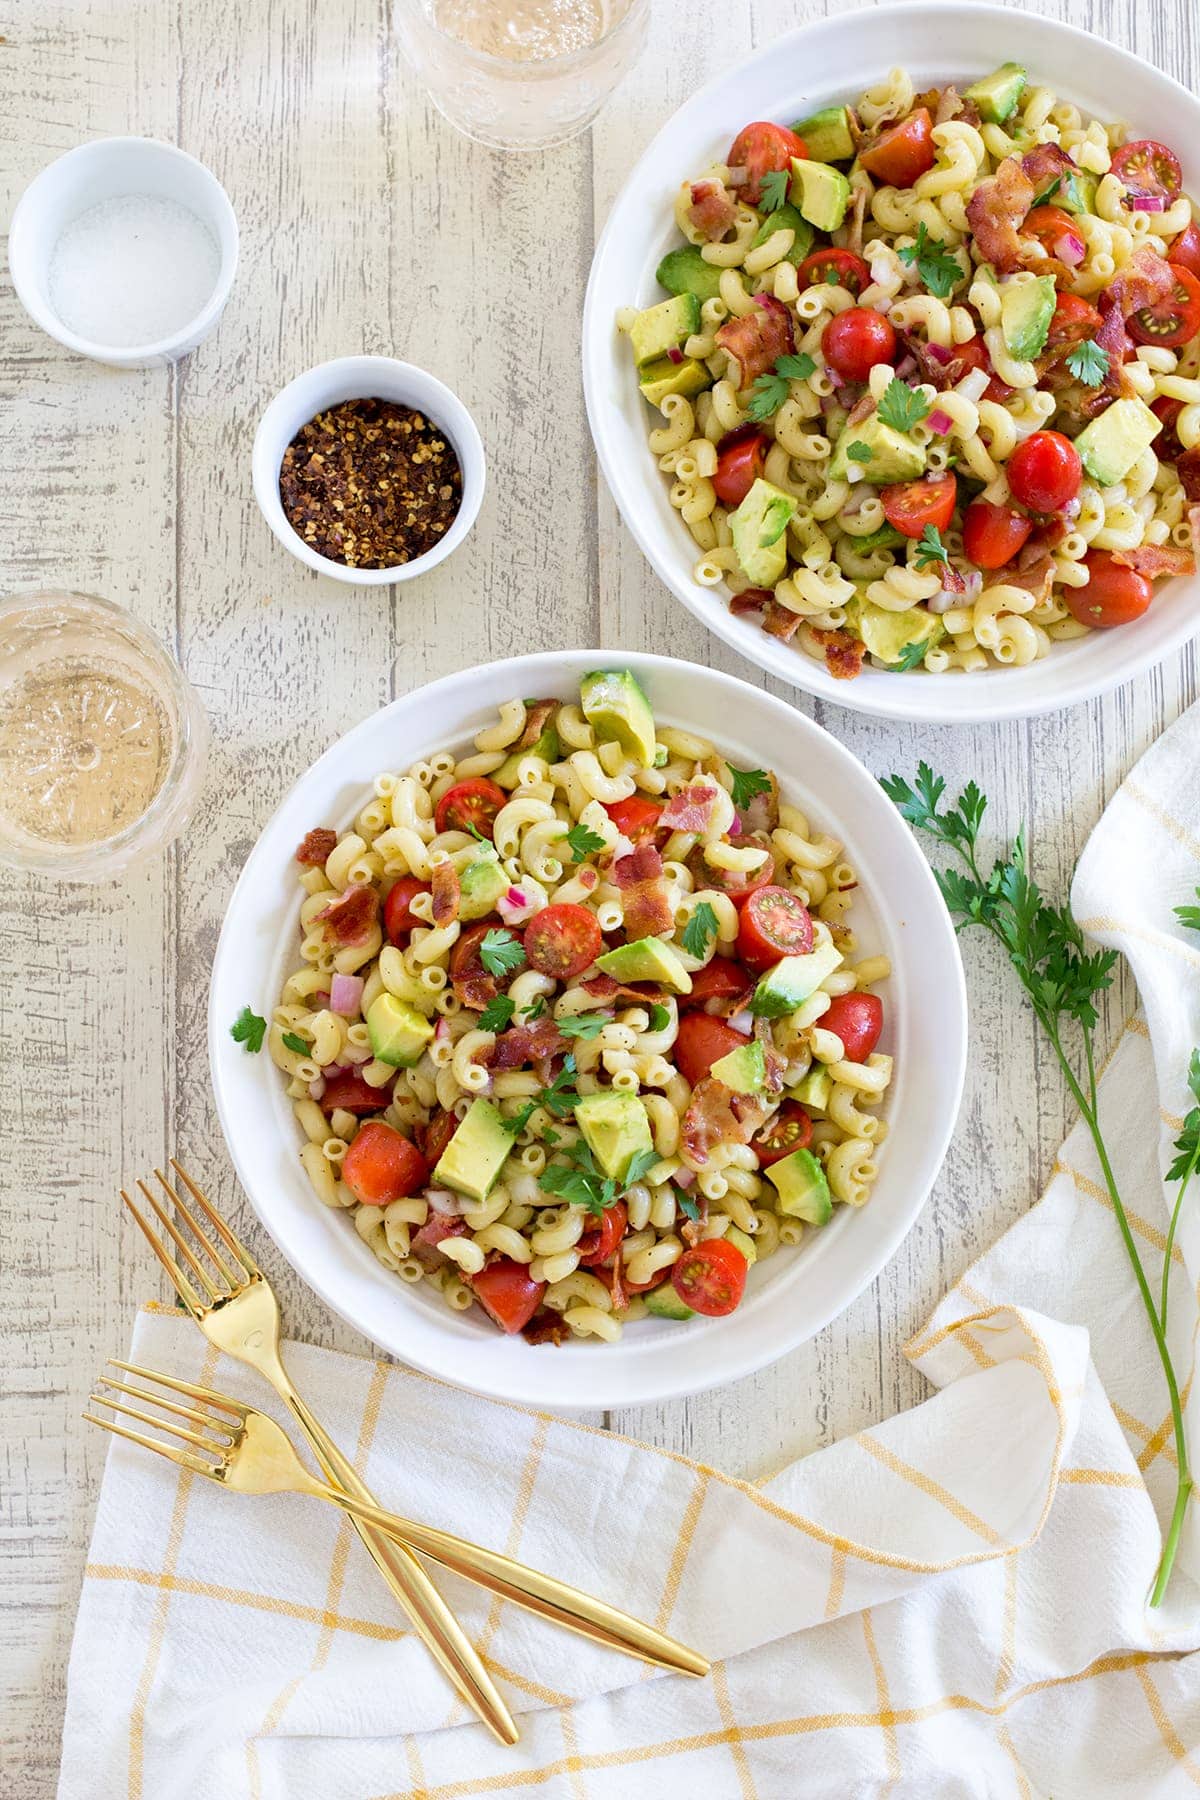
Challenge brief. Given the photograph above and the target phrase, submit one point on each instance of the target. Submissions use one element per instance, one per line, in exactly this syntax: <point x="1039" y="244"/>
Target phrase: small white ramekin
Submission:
<point x="110" y="169"/>
<point x="365" y="378"/>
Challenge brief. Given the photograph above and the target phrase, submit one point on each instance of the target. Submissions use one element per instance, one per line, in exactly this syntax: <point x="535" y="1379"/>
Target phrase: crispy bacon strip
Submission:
<point x="1155" y="561"/>
<point x="844" y="653"/>
<point x="525" y="1044"/>
<point x="774" y="1063"/>
<point x="1035" y="577"/>
<point x="1193" y="513"/>
<point x="780" y="621"/>
<point x="643" y="893"/>
<point x="691" y="809"/>
<point x="750" y="600"/>
<point x="755" y="340"/>
<point x="712" y="210"/>
<point x="1188" y="471"/>
<point x="316" y="847"/>
<point x="1044" y="163"/>
<point x="862" y="409"/>
<point x="437" y="1227"/>
<point x="716" y="1115"/>
<point x="692" y="1230"/>
<point x="351" y="918"/>
<point x="447" y="892"/>
<point x="604" y="988"/>
<point x="536" y="718"/>
<point x="1144" y="281"/>
<point x="545" y="1327"/>
<point x="996" y="211"/>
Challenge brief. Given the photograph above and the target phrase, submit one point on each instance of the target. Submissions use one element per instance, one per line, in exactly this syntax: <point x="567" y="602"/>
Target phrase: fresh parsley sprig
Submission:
<point x="501" y="953"/>
<point x="293" y="1041"/>
<point x="747" y="783"/>
<point x="1088" y="363"/>
<point x="660" y="1017"/>
<point x="930" y="549"/>
<point x="770" y="391"/>
<point x="936" y="263"/>
<point x="859" y="452"/>
<point x="700" y="930"/>
<point x="249" y="1029"/>
<point x="583" y="1025"/>
<point x="773" y="189"/>
<point x="577" y="1180"/>
<point x="902" y="407"/>
<point x="1189" y="915"/>
<point x="583" y="841"/>
<point x="497" y="1013"/>
<point x="910" y="656"/>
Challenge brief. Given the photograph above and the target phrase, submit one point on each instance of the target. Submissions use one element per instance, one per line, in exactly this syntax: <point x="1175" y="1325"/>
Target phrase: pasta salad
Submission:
<point x="929" y="375"/>
<point x="577" y="1032"/>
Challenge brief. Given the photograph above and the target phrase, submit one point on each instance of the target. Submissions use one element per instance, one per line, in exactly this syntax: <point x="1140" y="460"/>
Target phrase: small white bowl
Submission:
<point x="365" y="378"/>
<point x="111" y="169"/>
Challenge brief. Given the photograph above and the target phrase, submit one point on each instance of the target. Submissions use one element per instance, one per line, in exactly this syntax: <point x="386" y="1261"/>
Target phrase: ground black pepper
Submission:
<point x="370" y="484"/>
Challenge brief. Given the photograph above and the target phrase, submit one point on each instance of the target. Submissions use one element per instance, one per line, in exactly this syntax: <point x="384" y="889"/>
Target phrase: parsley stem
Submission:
<point x="1176" y="1210"/>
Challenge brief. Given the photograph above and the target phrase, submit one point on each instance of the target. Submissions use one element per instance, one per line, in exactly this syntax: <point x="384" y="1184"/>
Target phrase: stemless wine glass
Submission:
<point x="521" y="74"/>
<point x="102" y="737"/>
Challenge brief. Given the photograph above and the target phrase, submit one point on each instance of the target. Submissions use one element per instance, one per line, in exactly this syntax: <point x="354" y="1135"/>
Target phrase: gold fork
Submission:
<point x="249" y="1453"/>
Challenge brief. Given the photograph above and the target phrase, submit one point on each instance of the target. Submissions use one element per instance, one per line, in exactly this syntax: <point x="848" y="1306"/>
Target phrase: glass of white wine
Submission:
<point x="521" y="74"/>
<point x="102" y="738"/>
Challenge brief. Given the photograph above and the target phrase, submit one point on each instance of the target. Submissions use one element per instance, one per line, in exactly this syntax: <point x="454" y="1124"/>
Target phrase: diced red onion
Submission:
<point x="940" y="354"/>
<point x="321" y="999"/>
<point x="940" y="422"/>
<point x="1071" y="249"/>
<point x="737" y="828"/>
<point x="345" y="995"/>
<point x="338" y="1069"/>
<point x="316" y="1089"/>
<point x="738" y="176"/>
<point x="675" y="354"/>
<point x="516" y="897"/>
<point x="974" y="583"/>
<point x="684" y="1178"/>
<point x="441" y="1032"/>
<point x="837" y="380"/>
<point x="906" y="366"/>
<point x="1144" y="203"/>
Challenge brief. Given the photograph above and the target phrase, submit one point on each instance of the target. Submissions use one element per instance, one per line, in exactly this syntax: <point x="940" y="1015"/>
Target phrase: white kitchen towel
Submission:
<point x="952" y="1603"/>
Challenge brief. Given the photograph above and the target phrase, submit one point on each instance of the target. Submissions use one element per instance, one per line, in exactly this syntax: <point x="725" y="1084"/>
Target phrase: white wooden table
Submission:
<point x="369" y="225"/>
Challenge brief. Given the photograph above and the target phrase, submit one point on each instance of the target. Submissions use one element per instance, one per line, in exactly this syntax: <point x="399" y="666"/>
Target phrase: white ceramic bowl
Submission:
<point x="796" y="1292"/>
<point x="365" y="378"/>
<point x="834" y="60"/>
<point x="110" y="169"/>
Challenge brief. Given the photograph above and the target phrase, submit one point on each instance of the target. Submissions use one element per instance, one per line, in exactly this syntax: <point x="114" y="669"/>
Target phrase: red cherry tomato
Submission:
<point x="644" y="1287"/>
<point x="1173" y="321"/>
<point x="902" y="153"/>
<point x="741" y="456"/>
<point x="635" y="818"/>
<point x="440" y="1129"/>
<point x="973" y="355"/>
<point x="381" y="1166"/>
<point x="993" y="534"/>
<point x="790" y="1129"/>
<point x="398" y="917"/>
<point x="1167" y="446"/>
<point x="506" y="1293"/>
<point x="702" y="1041"/>
<point x="912" y="505"/>
<point x="711" y="1277"/>
<point x="600" y="1240"/>
<point x="350" y="1093"/>
<point x="563" y="940"/>
<point x="1114" y="594"/>
<point x="1050" y="225"/>
<point x="1074" y="320"/>
<point x="470" y="804"/>
<point x="1044" y="472"/>
<point x="834" y="268"/>
<point x="1184" y="251"/>
<point x="472" y="982"/>
<point x="858" y="1020"/>
<point x="759" y="148"/>
<point x="855" y="340"/>
<point x="774" y="923"/>
<point x="721" y="979"/>
<point x="1148" y="167"/>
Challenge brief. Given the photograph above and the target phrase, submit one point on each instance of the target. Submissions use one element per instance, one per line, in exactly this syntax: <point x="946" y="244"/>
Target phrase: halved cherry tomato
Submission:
<point x="912" y="505"/>
<point x="855" y="340"/>
<point x="1114" y="594"/>
<point x="506" y="1293"/>
<point x="773" y="924"/>
<point x="1167" y="446"/>
<point x="973" y="355"/>
<point x="1147" y="167"/>
<point x="381" y="1165"/>
<point x="758" y="148"/>
<point x="440" y="1129"/>
<point x="563" y="940"/>
<point x="721" y="979"/>
<point x="993" y="534"/>
<point x="470" y="804"/>
<point x="474" y="985"/>
<point x="834" y="268"/>
<point x="1184" y="251"/>
<point x="1051" y="226"/>
<point x="858" y="1020"/>
<point x="1173" y="321"/>
<point x="601" y="1239"/>
<point x="741" y="456"/>
<point x="644" y="1287"/>
<point x="348" y="1092"/>
<point x="711" y="1277"/>
<point x="701" y="1042"/>
<point x="635" y="818"/>
<point x="1044" y="472"/>
<point x="398" y="917"/>
<point x="790" y="1129"/>
<point x="1074" y="320"/>
<point x="902" y="153"/>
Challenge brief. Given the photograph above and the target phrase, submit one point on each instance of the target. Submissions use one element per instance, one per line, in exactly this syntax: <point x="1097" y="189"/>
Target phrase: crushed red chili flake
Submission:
<point x="370" y="484"/>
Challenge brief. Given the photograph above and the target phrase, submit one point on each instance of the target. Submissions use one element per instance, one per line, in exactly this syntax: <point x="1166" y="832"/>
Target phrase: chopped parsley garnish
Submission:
<point x="686" y="1204"/>
<point x="583" y="1025"/>
<point x="500" y="953"/>
<point x="291" y="1041"/>
<point x="700" y="930"/>
<point x="770" y="391"/>
<point x="1189" y="915"/>
<point x="583" y="842"/>
<point x="560" y="1097"/>
<point x="774" y="189"/>
<point x="902" y="407"/>
<point x="660" y="1018"/>
<point x="931" y="549"/>
<point x="520" y="1119"/>
<point x="747" y="783"/>
<point x="535" y="1009"/>
<point x="249" y="1031"/>
<point x="859" y="452"/>
<point x="497" y="1013"/>
<point x="577" y="1179"/>
<point x="1088" y="363"/>
<point x="911" y="655"/>
<point x="937" y="266"/>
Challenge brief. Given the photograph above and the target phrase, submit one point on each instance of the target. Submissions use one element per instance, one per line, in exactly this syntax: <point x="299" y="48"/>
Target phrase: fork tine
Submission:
<point x="179" y="1431"/>
<point x="184" y="1387"/>
<point x="233" y="1243"/>
<point x="183" y="1286"/>
<point x="184" y="1457"/>
<point x="194" y="1263"/>
<point x="172" y="1406"/>
<point x="194" y="1226"/>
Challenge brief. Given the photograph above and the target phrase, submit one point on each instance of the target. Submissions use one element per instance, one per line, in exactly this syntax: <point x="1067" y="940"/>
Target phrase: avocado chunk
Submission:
<point x="658" y="379"/>
<point x="647" y="959"/>
<point x="744" y="1069"/>
<point x="1076" y="192"/>
<point x="759" y="528"/>
<point x="480" y="886"/>
<point x="815" y="1088"/>
<point x="787" y="217"/>
<point x="475" y="1155"/>
<point x="664" y="327"/>
<point x="398" y="1032"/>
<point x="547" y="747"/>
<point x="886" y="538"/>
<point x="616" y="1129"/>
<point x="619" y="712"/>
<point x="996" y="95"/>
<point x="826" y="134"/>
<point x="684" y="271"/>
<point x="793" y="981"/>
<point x="743" y="1242"/>
<point x="1112" y="443"/>
<point x="821" y="193"/>
<point x="894" y="457"/>
<point x="803" y="1190"/>
<point x="664" y="1303"/>
<point x="890" y="636"/>
<point x="1026" y="309"/>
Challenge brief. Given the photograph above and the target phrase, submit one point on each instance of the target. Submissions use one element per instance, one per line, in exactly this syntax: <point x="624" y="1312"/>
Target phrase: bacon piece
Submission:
<point x="545" y="1327"/>
<point x="620" y="1298"/>
<point x="1155" y="561"/>
<point x="1036" y="577"/>
<point x="712" y="210"/>
<point x="716" y="1115"/>
<point x="750" y="600"/>
<point x="755" y="340"/>
<point x="1193" y="513"/>
<point x="996" y="211"/>
<point x="316" y="847"/>
<point x="351" y="918"/>
<point x="437" y="1227"/>
<point x="643" y="893"/>
<point x="1045" y="163"/>
<point x="780" y="621"/>
<point x="844" y="653"/>
<point x="1145" y="280"/>
<point x="524" y="1044"/>
<point x="692" y="1230"/>
<point x="1188" y="471"/>
<point x="691" y="809"/>
<point x="862" y="409"/>
<point x="536" y="718"/>
<point x="604" y="989"/>
<point x="447" y="892"/>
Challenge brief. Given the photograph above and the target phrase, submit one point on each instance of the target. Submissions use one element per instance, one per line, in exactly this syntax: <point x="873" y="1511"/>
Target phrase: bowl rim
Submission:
<point x="583" y="1382"/>
<point x="915" y="697"/>
<point x="452" y="415"/>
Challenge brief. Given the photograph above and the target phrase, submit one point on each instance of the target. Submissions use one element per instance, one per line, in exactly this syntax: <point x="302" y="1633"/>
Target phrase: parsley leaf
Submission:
<point x="937" y="266"/>
<point x="747" y="783"/>
<point x="535" y="1009"/>
<point x="911" y="655"/>
<point x="859" y="452"/>
<point x="1189" y="915"/>
<point x="700" y="930"/>
<point x="560" y="1097"/>
<point x="497" y="1013"/>
<point x="765" y="1004"/>
<point x="292" y="1041"/>
<point x="249" y="1030"/>
<point x="686" y="1204"/>
<point x="770" y="391"/>
<point x="1088" y="363"/>
<point x="639" y="1165"/>
<point x="660" y="1018"/>
<point x="902" y="407"/>
<point x="931" y="549"/>
<point x="583" y="842"/>
<point x="583" y="1025"/>
<point x="500" y="953"/>
<point x="774" y="189"/>
<point x="577" y="1180"/>
<point x="520" y="1119"/>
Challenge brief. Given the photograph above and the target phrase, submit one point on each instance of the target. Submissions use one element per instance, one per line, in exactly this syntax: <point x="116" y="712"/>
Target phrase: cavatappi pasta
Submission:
<point x="577" y="1030"/>
<point x="929" y="375"/>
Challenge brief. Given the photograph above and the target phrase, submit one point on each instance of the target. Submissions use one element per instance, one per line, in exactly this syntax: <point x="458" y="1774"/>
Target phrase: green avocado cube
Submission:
<point x="664" y="1303"/>
<point x="475" y="1155"/>
<point x="684" y="271"/>
<point x="793" y="980"/>
<point x="615" y="706"/>
<point x="820" y="192"/>
<point x="891" y="636"/>
<point x="658" y="379"/>
<point x="894" y="457"/>
<point x="803" y="1190"/>
<point x="814" y="1089"/>
<point x="743" y="1242"/>
<point x="759" y="530"/>
<point x="546" y="747"/>
<point x="997" y="95"/>
<point x="786" y="217"/>
<point x="480" y="886"/>
<point x="616" y="1129"/>
<point x="1110" y="445"/>
<point x="398" y="1032"/>
<point x="1026" y="309"/>
<point x="647" y="959"/>
<point x="664" y="327"/>
<point x="744" y="1069"/>
<point x="827" y="135"/>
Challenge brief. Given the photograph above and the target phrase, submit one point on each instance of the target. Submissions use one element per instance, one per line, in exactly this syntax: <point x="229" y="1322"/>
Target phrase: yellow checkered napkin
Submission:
<point x="950" y="1604"/>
